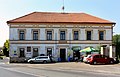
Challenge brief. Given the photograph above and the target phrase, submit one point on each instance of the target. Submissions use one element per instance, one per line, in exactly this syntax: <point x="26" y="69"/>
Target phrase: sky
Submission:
<point x="11" y="9"/>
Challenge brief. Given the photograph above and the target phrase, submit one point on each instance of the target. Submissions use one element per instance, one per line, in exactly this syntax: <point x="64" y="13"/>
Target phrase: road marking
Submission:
<point x="10" y="69"/>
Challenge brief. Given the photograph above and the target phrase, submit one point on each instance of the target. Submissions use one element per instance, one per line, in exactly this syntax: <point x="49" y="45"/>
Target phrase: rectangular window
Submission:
<point x="101" y="35"/>
<point x="21" y="35"/>
<point x="49" y="35"/>
<point x="62" y="35"/>
<point x="75" y="35"/>
<point x="88" y="35"/>
<point x="28" y="49"/>
<point x="35" y="35"/>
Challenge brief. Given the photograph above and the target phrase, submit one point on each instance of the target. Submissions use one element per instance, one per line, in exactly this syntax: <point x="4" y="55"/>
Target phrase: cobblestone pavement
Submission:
<point x="75" y="66"/>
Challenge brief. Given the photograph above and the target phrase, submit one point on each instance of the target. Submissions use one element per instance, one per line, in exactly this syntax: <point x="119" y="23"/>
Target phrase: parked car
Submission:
<point x="85" y="58"/>
<point x="42" y="59"/>
<point x="94" y="59"/>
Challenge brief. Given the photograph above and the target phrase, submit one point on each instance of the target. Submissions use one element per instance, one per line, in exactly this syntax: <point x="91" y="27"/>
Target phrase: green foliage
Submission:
<point x="6" y="48"/>
<point x="6" y="44"/>
<point x="98" y="47"/>
<point x="116" y="42"/>
<point x="116" y="39"/>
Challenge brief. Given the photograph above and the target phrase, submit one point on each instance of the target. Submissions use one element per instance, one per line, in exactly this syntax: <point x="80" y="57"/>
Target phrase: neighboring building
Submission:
<point x="57" y="34"/>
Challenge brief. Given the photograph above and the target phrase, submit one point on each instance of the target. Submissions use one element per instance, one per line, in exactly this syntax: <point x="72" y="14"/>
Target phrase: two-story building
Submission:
<point x="57" y="34"/>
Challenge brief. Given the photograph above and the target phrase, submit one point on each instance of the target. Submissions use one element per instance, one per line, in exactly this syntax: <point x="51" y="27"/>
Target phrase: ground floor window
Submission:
<point x="35" y="52"/>
<point x="22" y="52"/>
<point x="28" y="49"/>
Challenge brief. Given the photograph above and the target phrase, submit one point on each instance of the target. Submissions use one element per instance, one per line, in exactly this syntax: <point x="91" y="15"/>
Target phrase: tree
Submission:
<point x="98" y="48"/>
<point x="116" y="42"/>
<point x="6" y="48"/>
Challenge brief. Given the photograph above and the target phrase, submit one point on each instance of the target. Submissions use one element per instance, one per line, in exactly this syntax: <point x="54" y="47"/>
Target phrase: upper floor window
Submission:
<point x="89" y="35"/>
<point x="101" y="35"/>
<point x="35" y="35"/>
<point x="76" y="35"/>
<point x="22" y="35"/>
<point x="49" y="35"/>
<point x="62" y="35"/>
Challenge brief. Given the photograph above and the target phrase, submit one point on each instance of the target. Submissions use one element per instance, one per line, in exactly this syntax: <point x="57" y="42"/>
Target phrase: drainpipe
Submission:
<point x="112" y="39"/>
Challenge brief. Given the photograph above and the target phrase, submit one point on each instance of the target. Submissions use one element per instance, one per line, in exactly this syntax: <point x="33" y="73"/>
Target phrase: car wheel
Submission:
<point x="111" y="62"/>
<point x="31" y="62"/>
<point x="44" y="61"/>
<point x="94" y="62"/>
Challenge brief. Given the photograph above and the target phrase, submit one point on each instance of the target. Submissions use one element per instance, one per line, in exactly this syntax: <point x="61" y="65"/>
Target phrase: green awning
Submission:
<point x="77" y="48"/>
<point x="89" y="49"/>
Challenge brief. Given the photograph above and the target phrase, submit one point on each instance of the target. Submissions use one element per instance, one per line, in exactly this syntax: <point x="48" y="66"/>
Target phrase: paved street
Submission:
<point x="11" y="73"/>
<point x="52" y="70"/>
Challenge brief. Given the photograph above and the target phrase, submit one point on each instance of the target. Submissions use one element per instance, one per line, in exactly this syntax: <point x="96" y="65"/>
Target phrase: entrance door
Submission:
<point x="63" y="55"/>
<point x="35" y="52"/>
<point x="49" y="51"/>
<point x="22" y="52"/>
<point x="76" y="54"/>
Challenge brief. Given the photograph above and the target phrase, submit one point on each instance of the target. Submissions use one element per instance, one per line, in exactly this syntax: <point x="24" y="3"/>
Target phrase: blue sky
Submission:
<point x="10" y="9"/>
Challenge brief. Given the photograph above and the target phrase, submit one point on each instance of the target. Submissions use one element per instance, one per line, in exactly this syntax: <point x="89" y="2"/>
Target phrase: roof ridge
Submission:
<point x="61" y="12"/>
<point x="56" y="17"/>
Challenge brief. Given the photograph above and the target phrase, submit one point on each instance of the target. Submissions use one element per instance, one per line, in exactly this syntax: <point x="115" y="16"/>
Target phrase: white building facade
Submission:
<point x="32" y="38"/>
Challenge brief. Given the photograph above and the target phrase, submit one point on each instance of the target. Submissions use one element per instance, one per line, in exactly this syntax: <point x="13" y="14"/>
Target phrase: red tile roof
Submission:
<point x="49" y="17"/>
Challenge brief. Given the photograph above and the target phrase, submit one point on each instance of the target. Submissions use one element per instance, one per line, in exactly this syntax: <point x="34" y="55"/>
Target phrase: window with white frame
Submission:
<point x="62" y="35"/>
<point x="35" y="35"/>
<point x="76" y="35"/>
<point x="89" y="34"/>
<point x="21" y="35"/>
<point x="49" y="35"/>
<point x="101" y="35"/>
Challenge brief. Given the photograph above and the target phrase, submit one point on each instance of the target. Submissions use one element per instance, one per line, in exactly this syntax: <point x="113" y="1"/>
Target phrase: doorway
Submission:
<point x="76" y="54"/>
<point x="22" y="52"/>
<point x="49" y="51"/>
<point x="63" y="54"/>
<point x="35" y="52"/>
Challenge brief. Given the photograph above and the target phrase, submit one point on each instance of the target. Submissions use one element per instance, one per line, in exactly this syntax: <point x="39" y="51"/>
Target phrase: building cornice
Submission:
<point x="61" y="42"/>
<point x="92" y="26"/>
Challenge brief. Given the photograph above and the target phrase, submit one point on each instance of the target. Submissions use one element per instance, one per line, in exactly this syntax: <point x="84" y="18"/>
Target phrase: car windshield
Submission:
<point x="36" y="57"/>
<point x="90" y="56"/>
<point x="41" y="57"/>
